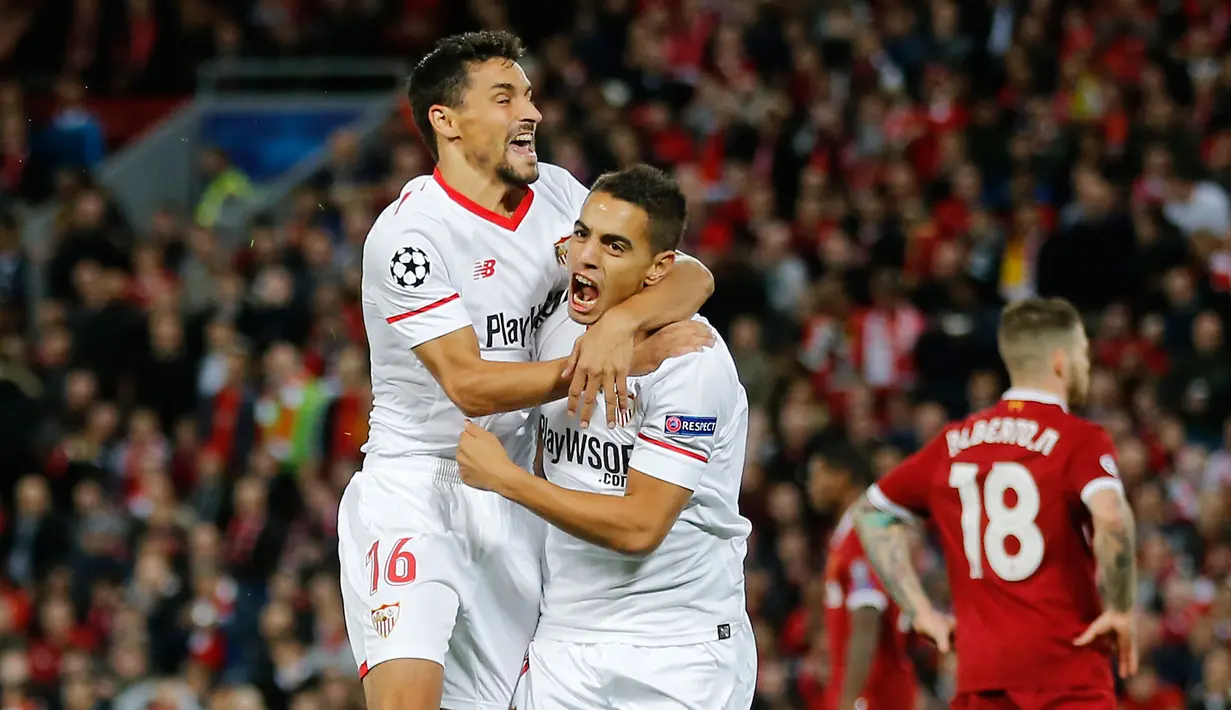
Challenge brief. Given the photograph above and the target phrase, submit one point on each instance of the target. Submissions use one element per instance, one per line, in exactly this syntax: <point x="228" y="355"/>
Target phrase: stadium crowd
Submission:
<point x="868" y="183"/>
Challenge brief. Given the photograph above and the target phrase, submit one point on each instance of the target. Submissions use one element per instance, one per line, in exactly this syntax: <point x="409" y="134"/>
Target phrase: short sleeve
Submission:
<point x="684" y="413"/>
<point x="1093" y="466"/>
<point x="411" y="288"/>
<point x="904" y="491"/>
<point x="865" y="588"/>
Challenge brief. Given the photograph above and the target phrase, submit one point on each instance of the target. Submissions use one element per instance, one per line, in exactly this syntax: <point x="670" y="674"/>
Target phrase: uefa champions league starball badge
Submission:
<point x="410" y="267"/>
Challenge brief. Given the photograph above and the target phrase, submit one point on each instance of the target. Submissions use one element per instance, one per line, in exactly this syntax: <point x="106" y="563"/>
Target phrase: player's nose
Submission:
<point x="587" y="254"/>
<point x="530" y="113"/>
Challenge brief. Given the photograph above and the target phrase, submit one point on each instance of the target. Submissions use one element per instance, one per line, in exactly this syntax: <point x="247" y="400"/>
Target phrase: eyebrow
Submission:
<point x="618" y="239"/>
<point x="506" y="86"/>
<point x="624" y="241"/>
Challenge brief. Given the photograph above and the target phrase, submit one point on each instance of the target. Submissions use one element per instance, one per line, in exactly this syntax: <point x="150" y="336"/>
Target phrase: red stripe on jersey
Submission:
<point x="509" y="222"/>
<point x="363" y="670"/>
<point x="673" y="447"/>
<point x="417" y="311"/>
<point x="401" y="202"/>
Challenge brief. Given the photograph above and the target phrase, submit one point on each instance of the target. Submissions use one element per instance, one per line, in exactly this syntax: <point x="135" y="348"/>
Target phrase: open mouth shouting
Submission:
<point x="583" y="294"/>
<point x="522" y="145"/>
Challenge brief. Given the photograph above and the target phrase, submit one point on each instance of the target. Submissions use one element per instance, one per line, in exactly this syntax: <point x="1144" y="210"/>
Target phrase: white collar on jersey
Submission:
<point x="1026" y="394"/>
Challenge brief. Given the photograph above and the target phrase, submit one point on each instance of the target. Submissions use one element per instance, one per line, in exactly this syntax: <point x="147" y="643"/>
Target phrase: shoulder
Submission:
<point x="1084" y="434"/>
<point x="556" y="183"/>
<point x="414" y="213"/>
<point x="710" y="372"/>
<point x="554" y="177"/>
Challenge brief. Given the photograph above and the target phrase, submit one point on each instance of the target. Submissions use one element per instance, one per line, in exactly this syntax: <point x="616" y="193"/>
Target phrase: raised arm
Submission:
<point x="407" y="280"/>
<point x="677" y="297"/>
<point x="481" y="387"/>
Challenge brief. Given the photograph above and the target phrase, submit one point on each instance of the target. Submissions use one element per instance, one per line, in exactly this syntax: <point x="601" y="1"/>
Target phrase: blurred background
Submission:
<point x="185" y="186"/>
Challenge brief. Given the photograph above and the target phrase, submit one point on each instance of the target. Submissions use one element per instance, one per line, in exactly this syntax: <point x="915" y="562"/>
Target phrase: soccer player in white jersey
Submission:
<point x="441" y="583"/>
<point x="643" y="592"/>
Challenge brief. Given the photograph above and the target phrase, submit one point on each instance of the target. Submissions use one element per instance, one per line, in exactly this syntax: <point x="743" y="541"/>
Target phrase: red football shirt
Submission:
<point x="849" y="585"/>
<point x="1005" y="489"/>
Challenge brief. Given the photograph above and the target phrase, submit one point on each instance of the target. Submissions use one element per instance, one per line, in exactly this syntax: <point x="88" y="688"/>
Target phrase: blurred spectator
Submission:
<point x="75" y="137"/>
<point x="225" y="185"/>
<point x="869" y="183"/>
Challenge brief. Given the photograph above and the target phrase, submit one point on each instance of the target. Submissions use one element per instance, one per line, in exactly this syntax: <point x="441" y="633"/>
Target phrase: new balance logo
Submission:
<point x="484" y="269"/>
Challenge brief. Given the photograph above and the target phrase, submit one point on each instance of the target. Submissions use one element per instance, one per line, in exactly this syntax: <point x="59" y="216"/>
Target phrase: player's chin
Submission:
<point x="520" y="167"/>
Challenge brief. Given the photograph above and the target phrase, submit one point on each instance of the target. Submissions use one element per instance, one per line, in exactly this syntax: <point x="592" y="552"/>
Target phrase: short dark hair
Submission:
<point x="440" y="77"/>
<point x="1031" y="327"/>
<point x="845" y="457"/>
<point x="655" y="192"/>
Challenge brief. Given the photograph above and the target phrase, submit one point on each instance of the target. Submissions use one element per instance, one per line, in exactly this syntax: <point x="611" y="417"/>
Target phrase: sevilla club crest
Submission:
<point x="385" y="618"/>
<point x="562" y="251"/>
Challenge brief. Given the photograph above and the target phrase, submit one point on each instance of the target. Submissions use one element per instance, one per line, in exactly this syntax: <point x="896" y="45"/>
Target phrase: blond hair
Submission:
<point x="1031" y="329"/>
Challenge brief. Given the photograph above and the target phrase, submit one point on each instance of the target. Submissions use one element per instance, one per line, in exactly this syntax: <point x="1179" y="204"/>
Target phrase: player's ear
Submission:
<point x="1060" y="362"/>
<point x="444" y="121"/>
<point x="659" y="268"/>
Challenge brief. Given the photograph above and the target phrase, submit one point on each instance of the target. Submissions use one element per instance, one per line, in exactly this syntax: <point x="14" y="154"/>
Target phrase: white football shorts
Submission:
<point x="434" y="569"/>
<point x="715" y="675"/>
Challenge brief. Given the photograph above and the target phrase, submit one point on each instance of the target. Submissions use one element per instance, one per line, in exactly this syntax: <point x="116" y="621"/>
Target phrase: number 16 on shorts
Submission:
<point x="399" y="568"/>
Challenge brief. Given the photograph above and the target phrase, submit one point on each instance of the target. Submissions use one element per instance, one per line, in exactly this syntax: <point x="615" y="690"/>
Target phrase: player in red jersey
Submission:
<point x="1013" y="492"/>
<point x="867" y="639"/>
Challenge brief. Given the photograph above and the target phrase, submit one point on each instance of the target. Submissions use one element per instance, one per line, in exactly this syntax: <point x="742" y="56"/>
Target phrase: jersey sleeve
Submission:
<point x="1092" y="466"/>
<point x="412" y="289"/>
<point x="903" y="492"/>
<point x="684" y="413"/>
<point x="865" y="589"/>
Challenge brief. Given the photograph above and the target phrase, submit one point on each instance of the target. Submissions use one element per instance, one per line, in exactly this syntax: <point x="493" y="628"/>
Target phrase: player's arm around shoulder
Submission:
<point x="601" y="358"/>
<point x="407" y="278"/>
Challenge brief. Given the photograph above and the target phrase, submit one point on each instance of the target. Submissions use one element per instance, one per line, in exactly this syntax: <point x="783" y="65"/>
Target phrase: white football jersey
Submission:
<point x="688" y="426"/>
<point x="435" y="262"/>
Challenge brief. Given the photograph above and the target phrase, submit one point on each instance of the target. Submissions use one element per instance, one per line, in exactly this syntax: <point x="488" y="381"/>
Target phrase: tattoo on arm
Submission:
<point x="887" y="547"/>
<point x="1115" y="554"/>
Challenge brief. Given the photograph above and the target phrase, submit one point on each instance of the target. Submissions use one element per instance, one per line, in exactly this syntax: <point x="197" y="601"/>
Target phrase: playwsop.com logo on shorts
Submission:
<point x="680" y="425"/>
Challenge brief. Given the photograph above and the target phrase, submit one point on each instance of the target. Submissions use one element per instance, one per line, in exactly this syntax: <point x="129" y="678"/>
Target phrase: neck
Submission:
<point x="485" y="189"/>
<point x="1047" y="386"/>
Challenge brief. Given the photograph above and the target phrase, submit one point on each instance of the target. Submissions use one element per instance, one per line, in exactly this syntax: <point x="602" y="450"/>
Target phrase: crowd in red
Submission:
<point x="869" y="182"/>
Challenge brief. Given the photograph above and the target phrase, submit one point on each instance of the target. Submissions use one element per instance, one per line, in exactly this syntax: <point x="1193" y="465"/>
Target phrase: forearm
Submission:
<point x="603" y="520"/>
<point x="860" y="652"/>
<point x="677" y="297"/>
<point x="491" y="387"/>
<point x="887" y="546"/>
<point x="1115" y="555"/>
